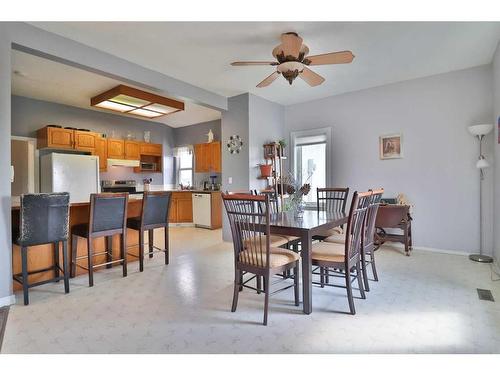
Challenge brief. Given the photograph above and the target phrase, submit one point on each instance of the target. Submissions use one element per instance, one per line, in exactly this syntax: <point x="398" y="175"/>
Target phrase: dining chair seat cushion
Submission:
<point x="274" y="241"/>
<point x="287" y="237"/>
<point x="336" y="238"/>
<point x="134" y="223"/>
<point x="328" y="252"/>
<point x="278" y="257"/>
<point x="331" y="232"/>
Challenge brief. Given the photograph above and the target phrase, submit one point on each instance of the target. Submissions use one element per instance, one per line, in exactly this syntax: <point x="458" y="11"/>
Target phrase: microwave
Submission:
<point x="148" y="166"/>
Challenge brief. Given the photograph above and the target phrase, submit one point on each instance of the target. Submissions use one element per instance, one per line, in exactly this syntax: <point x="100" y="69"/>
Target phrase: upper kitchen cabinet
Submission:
<point x="54" y="137"/>
<point x="207" y="157"/>
<point x="116" y="149"/>
<point x="101" y="150"/>
<point x="85" y="141"/>
<point x="152" y="149"/>
<point x="132" y="150"/>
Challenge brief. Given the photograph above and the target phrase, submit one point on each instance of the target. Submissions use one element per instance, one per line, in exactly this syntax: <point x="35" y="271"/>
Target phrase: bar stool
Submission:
<point x="155" y="212"/>
<point x="44" y="219"/>
<point x="108" y="216"/>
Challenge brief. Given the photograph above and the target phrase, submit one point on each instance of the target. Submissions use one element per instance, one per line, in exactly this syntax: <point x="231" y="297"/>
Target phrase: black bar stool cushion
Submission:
<point x="80" y="230"/>
<point x="134" y="223"/>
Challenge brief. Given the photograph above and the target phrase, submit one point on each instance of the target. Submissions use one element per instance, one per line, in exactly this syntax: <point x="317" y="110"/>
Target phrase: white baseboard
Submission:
<point x="400" y="247"/>
<point x="7" y="301"/>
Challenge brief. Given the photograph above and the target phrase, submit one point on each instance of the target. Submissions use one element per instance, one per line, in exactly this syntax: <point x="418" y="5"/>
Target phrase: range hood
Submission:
<point x="123" y="163"/>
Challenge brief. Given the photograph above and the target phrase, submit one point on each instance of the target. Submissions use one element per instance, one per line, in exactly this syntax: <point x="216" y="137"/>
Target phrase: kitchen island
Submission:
<point x="42" y="256"/>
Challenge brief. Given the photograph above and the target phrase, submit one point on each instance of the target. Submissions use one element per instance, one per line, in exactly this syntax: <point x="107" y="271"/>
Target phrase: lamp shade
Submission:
<point x="480" y="129"/>
<point x="482" y="163"/>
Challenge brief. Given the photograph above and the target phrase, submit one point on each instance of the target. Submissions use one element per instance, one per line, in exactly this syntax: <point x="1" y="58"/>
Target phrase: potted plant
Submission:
<point x="266" y="170"/>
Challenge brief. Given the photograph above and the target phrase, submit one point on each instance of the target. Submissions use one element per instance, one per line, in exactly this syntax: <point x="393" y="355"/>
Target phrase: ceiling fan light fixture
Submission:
<point x="125" y="99"/>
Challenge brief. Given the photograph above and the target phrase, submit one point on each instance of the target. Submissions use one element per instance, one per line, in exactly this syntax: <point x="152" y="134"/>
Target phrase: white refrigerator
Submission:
<point x="76" y="174"/>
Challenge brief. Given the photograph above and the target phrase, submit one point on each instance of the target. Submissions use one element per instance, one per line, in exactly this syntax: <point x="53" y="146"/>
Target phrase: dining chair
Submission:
<point x="249" y="217"/>
<point x="44" y="219"/>
<point x="344" y="260"/>
<point x="107" y="217"/>
<point x="154" y="215"/>
<point x="331" y="199"/>
<point x="368" y="238"/>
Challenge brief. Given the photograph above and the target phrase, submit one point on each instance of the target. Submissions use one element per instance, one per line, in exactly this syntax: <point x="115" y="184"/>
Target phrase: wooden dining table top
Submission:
<point x="311" y="219"/>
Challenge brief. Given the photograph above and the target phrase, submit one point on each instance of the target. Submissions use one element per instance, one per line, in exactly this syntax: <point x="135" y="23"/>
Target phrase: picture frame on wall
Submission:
<point x="391" y="146"/>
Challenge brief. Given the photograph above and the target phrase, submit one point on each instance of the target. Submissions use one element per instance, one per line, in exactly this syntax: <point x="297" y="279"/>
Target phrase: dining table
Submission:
<point x="305" y="226"/>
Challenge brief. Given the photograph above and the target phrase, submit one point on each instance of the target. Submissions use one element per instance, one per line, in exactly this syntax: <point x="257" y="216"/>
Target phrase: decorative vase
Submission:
<point x="266" y="170"/>
<point x="296" y="206"/>
<point x="147" y="136"/>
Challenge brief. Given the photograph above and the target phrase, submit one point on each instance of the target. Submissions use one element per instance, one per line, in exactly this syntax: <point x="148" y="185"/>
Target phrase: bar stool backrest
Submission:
<point x="108" y="212"/>
<point x="155" y="208"/>
<point x="355" y="223"/>
<point x="44" y="218"/>
<point x="332" y="199"/>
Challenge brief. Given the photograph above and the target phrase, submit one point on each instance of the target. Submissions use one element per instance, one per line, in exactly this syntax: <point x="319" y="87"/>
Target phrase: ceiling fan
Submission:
<point x="292" y="61"/>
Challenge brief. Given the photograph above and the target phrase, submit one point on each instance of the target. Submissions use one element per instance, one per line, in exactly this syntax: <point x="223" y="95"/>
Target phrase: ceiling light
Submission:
<point x="125" y="99"/>
<point x="145" y="113"/>
<point x="107" y="104"/>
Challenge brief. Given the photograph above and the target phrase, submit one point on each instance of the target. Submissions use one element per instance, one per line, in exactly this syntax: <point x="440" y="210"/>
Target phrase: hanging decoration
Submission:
<point x="234" y="144"/>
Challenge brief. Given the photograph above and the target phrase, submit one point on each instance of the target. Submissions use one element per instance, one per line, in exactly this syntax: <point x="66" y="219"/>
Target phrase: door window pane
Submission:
<point x="311" y="167"/>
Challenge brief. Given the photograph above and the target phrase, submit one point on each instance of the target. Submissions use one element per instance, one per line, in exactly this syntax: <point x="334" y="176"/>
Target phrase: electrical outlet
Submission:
<point x="229" y="180"/>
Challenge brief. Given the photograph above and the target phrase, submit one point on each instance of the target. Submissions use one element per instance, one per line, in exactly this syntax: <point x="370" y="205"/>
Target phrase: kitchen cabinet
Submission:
<point x="84" y="141"/>
<point x="116" y="149"/>
<point x="132" y="149"/>
<point x="181" y="209"/>
<point x="101" y="150"/>
<point x="151" y="149"/>
<point x="51" y="137"/>
<point x="207" y="157"/>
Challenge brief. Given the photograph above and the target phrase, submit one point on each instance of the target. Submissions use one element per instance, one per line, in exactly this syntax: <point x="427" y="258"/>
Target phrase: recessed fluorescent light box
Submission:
<point x="125" y="99"/>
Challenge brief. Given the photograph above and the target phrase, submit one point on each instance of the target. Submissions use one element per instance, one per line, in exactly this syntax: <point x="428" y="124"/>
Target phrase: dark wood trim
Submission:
<point x="136" y="93"/>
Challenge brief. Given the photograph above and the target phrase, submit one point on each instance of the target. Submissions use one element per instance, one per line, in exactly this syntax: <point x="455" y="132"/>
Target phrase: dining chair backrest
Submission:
<point x="108" y="212"/>
<point x="371" y="216"/>
<point x="273" y="200"/>
<point x="155" y="208"/>
<point x="355" y="223"/>
<point x="249" y="221"/>
<point x="332" y="199"/>
<point x="44" y="218"/>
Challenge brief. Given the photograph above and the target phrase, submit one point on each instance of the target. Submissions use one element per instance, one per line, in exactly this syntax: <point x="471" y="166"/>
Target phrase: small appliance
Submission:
<point x="148" y="166"/>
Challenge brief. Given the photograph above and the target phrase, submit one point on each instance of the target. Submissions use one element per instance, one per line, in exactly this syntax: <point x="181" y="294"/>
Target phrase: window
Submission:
<point x="185" y="166"/>
<point x="310" y="160"/>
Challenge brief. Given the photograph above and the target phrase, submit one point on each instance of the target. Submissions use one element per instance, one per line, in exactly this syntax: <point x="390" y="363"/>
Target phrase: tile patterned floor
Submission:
<point x="426" y="303"/>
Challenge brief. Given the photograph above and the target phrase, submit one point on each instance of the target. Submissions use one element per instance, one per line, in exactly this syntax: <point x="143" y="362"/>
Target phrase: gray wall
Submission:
<point x="190" y="135"/>
<point x="6" y="297"/>
<point x="496" y="161"/>
<point x="29" y="115"/>
<point x="266" y="124"/>
<point x="235" y="122"/>
<point x="437" y="172"/>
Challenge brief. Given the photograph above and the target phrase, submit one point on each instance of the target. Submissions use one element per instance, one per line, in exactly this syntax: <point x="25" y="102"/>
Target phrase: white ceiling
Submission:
<point x="47" y="80"/>
<point x="200" y="53"/>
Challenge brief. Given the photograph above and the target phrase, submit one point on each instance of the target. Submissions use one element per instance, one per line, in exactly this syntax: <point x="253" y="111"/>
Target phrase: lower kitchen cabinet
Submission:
<point x="181" y="209"/>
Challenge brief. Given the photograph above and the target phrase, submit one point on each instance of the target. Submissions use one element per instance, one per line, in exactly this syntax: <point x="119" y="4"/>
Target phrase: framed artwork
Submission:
<point x="391" y="146"/>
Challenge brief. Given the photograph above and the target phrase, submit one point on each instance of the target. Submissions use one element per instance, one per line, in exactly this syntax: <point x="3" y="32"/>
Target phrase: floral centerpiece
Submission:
<point x="296" y="193"/>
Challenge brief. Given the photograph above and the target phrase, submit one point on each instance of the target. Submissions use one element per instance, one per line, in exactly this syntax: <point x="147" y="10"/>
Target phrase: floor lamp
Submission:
<point x="479" y="131"/>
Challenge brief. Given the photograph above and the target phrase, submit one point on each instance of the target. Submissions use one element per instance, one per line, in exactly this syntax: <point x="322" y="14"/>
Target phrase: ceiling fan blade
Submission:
<point x="291" y="44"/>
<point x="268" y="80"/>
<point x="312" y="79"/>
<point x="342" y="57"/>
<point x="245" y="63"/>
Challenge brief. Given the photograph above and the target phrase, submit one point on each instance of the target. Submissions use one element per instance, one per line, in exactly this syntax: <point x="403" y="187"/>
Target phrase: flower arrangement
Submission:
<point x="296" y="193"/>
